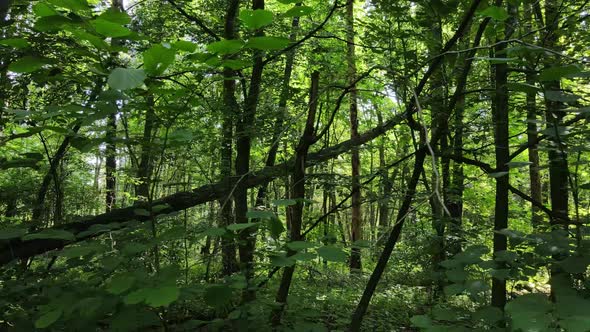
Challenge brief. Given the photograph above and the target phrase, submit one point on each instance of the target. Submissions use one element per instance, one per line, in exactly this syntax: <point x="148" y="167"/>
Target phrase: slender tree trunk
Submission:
<point x="501" y="142"/>
<point x="298" y="193"/>
<point x="231" y="109"/>
<point x="558" y="165"/>
<point x="385" y="187"/>
<point x="244" y="132"/>
<point x="356" y="219"/>
<point x="532" y="129"/>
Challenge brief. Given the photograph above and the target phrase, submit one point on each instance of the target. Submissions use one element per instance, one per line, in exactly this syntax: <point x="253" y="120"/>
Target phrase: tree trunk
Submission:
<point x="501" y="142"/>
<point x="356" y="218"/>
<point x="297" y="192"/>
<point x="231" y="109"/>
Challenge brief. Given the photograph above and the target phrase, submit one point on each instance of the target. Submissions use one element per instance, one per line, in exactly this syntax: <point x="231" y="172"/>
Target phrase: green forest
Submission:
<point x="295" y="165"/>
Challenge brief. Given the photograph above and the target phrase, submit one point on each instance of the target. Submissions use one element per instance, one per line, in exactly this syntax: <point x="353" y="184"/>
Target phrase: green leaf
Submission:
<point x="27" y="64"/>
<point x="214" y="231"/>
<point x="53" y="234"/>
<point x="495" y="12"/>
<point x="12" y="233"/>
<point x="298" y="11"/>
<point x="183" y="45"/>
<point x="89" y="306"/>
<point x="256" y="19"/>
<point x="304" y="256"/>
<point x="267" y="43"/>
<point x="235" y="64"/>
<point x="48" y="318"/>
<point x="73" y="5"/>
<point x="218" y="296"/>
<point x="260" y="214"/>
<point x="162" y="296"/>
<point x="226" y="46"/>
<point x="275" y="227"/>
<point x="141" y="212"/>
<point x="239" y="227"/>
<point x="115" y="16"/>
<point x="110" y="29"/>
<point x="120" y="283"/>
<point x="523" y="87"/>
<point x="421" y="321"/>
<point x="561" y="96"/>
<point x="556" y="73"/>
<point x="157" y="59"/>
<point x="332" y="254"/>
<point x="453" y="289"/>
<point x="42" y="9"/>
<point x="287" y="2"/>
<point x="496" y="175"/>
<point x="361" y="244"/>
<point x="456" y="275"/>
<point x="489" y="315"/>
<point x="15" y="42"/>
<point x="79" y="251"/>
<point x="575" y="264"/>
<point x="284" y="202"/>
<point x="281" y="261"/>
<point x="299" y="245"/>
<point x="126" y="79"/>
<point x="136" y="297"/>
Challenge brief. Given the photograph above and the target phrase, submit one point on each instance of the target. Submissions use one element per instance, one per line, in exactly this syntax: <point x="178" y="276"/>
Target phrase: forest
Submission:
<point x="295" y="165"/>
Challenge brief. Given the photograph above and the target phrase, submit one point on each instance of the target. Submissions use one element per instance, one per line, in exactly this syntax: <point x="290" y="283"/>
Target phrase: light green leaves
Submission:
<point x="298" y="11"/>
<point x="15" y="42"/>
<point x="495" y="12"/>
<point x="28" y="64"/>
<point x="157" y="59"/>
<point x="421" y="321"/>
<point x="267" y="43"/>
<point x="110" y="29"/>
<point x="226" y="46"/>
<point x="256" y="19"/>
<point x="126" y="78"/>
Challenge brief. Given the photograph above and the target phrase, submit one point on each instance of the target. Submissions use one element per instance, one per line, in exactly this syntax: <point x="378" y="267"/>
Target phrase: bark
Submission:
<point x="532" y="129"/>
<point x="297" y="192"/>
<point x="356" y="218"/>
<point x="231" y="108"/>
<point x="501" y="142"/>
<point x="385" y="187"/>
<point x="145" y="167"/>
<point x="111" y="162"/>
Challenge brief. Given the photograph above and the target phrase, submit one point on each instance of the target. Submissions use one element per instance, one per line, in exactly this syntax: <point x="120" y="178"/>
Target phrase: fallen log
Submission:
<point x="20" y="249"/>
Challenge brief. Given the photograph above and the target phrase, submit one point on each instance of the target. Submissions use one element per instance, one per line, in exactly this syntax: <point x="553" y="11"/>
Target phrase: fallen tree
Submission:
<point x="90" y="227"/>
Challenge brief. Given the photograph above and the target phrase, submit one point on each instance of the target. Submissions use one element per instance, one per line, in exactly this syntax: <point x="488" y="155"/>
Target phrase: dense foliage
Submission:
<point x="294" y="165"/>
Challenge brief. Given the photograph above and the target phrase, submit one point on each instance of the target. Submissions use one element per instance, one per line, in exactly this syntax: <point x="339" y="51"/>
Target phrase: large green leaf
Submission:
<point x="27" y="64"/>
<point x="161" y="296"/>
<point x="110" y="29"/>
<point x="218" y="295"/>
<point x="12" y="233"/>
<point x="15" y="42"/>
<point x="120" y="283"/>
<point x="126" y="78"/>
<point x="73" y="5"/>
<point x="557" y="72"/>
<point x="239" y="227"/>
<point x="256" y="19"/>
<point x="495" y="12"/>
<point x="50" y="234"/>
<point x="48" y="318"/>
<point x="298" y="11"/>
<point x="157" y="59"/>
<point x="226" y="46"/>
<point x="332" y="254"/>
<point x="267" y="43"/>
<point x="115" y="16"/>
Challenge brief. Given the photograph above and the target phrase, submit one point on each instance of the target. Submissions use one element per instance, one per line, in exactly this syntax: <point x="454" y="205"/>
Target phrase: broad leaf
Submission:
<point x="48" y="318"/>
<point x="120" y="283"/>
<point x="495" y="12"/>
<point x="52" y="234"/>
<point x="267" y="43"/>
<point x="256" y="19"/>
<point x="162" y="296"/>
<point x="157" y="59"/>
<point x="226" y="46"/>
<point x="298" y="11"/>
<point x="332" y="254"/>
<point x="126" y="78"/>
<point x="109" y="28"/>
<point x="27" y="64"/>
